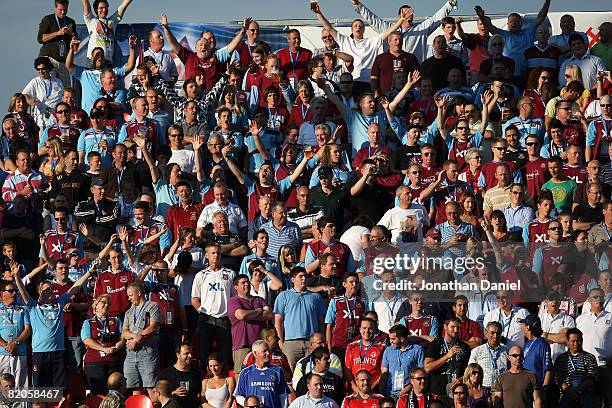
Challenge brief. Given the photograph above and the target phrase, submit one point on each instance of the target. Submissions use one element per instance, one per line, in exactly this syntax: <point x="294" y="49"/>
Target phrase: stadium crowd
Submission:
<point x="221" y="238"/>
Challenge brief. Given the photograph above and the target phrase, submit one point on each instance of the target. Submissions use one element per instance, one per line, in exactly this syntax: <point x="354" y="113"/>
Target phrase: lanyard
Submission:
<point x="297" y="59"/>
<point x="54" y="163"/>
<point x="571" y="361"/>
<point x="348" y="307"/>
<point x="363" y="355"/>
<point x="60" y="26"/>
<point x="103" y="323"/>
<point x="120" y="177"/>
<point x="137" y="313"/>
<point x="607" y="230"/>
<point x="392" y="307"/>
<point x="370" y="154"/>
<point x="527" y="348"/>
<point x="61" y="244"/>
<point x="494" y="358"/>
<point x="10" y="311"/>
<point x="48" y="88"/>
<point x="304" y="112"/>
<point x="502" y="321"/>
<point x="249" y="47"/>
<point x="604" y="125"/>
<point x="606" y="302"/>
<point x="273" y="118"/>
<point x="98" y="138"/>
<point x="105" y="27"/>
<point x="448" y="193"/>
<point x="526" y="132"/>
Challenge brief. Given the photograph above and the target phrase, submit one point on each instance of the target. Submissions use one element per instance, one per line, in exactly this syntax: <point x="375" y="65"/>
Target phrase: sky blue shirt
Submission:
<point x="396" y="360"/>
<point x="301" y="312"/>
<point x="270" y="263"/>
<point x="270" y="139"/>
<point x="86" y="329"/>
<point x="529" y="126"/>
<point x="47" y="321"/>
<point x="91" y="85"/>
<point x="13" y="320"/>
<point x="358" y="127"/>
<point x="89" y="142"/>
<point x="517" y="218"/>
<point x="516" y="44"/>
<point x="166" y="196"/>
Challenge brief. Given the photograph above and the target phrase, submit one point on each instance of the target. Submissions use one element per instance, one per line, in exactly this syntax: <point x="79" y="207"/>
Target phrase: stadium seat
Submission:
<point x="138" y="401"/>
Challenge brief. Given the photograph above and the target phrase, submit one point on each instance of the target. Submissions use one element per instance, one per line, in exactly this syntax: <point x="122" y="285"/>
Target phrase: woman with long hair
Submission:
<point x="537" y="91"/>
<point x="332" y="156"/>
<point x="112" y="123"/>
<point x="478" y="396"/>
<point x="499" y="226"/>
<point x="256" y="68"/>
<point x="53" y="164"/>
<point x="217" y="386"/>
<point x="264" y="283"/>
<point x="470" y="209"/>
<point x="27" y="128"/>
<point x="101" y="335"/>
<point x="574" y="73"/>
<point x="287" y="260"/>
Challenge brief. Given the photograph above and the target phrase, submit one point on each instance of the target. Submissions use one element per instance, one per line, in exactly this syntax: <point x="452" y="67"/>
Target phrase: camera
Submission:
<point x="375" y="170"/>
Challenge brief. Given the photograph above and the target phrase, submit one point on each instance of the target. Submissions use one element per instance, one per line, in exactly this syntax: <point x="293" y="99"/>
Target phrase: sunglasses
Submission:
<point x="59" y="218"/>
<point x="458" y="392"/>
<point x="532" y="144"/>
<point x="500" y="148"/>
<point x="11" y="290"/>
<point x="565" y="108"/>
<point x="596" y="297"/>
<point x="327" y="37"/>
<point x="544" y="78"/>
<point x="555" y="229"/>
<point x="476" y="373"/>
<point x="605" y="105"/>
<point x="73" y="255"/>
<point x="517" y="192"/>
<point x="254" y="30"/>
<point x="419" y="378"/>
<point x="462" y="128"/>
<point x="516" y="355"/>
<point x="61" y="112"/>
<point x="427" y="154"/>
<point x="415" y="172"/>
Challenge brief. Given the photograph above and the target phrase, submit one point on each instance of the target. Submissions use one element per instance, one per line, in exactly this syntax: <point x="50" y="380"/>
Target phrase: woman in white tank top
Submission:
<point x="218" y="387"/>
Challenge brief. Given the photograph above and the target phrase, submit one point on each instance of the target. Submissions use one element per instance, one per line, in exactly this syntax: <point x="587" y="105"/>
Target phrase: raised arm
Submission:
<point x="22" y="290"/>
<point x="299" y="169"/>
<point x="123" y="7"/>
<point x="86" y="7"/>
<point x="142" y="143"/>
<point x="425" y="194"/>
<point x="174" y="44"/>
<point x="442" y="104"/>
<point x="378" y="24"/>
<point x="232" y="166"/>
<point x="238" y="37"/>
<point x="413" y="78"/>
<point x="155" y="236"/>
<point x="131" y="62"/>
<point x="485" y="98"/>
<point x="324" y="22"/>
<point x="398" y="23"/>
<point x="74" y="47"/>
<point x="487" y="21"/>
<point x="79" y="283"/>
<point x="255" y="132"/>
<point x="197" y="143"/>
<point x="333" y="98"/>
<point x="542" y="14"/>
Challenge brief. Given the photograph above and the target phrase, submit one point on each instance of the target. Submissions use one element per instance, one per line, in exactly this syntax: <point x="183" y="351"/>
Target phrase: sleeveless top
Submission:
<point x="217" y="397"/>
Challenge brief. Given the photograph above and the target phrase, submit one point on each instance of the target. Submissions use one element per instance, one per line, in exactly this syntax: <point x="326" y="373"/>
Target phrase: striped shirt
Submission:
<point x="574" y="369"/>
<point x="17" y="181"/>
<point x="289" y="234"/>
<point x="493" y="362"/>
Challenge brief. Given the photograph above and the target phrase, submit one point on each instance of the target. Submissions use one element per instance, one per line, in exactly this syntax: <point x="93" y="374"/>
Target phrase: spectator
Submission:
<point x="477" y="44"/>
<point x="491" y="356"/>
<point x="184" y="380"/>
<point x="440" y="63"/>
<point x="218" y="386"/>
<point x="281" y="231"/>
<point x="455" y="45"/>
<point x="419" y="395"/>
<point x="55" y="41"/>
<point x="396" y="366"/>
<point x="356" y="360"/>
<point x="44" y="92"/>
<point x="364" y="394"/>
<point x="315" y="396"/>
<point x="394" y="60"/>
<point x="469" y="330"/>
<point x="163" y="59"/>
<point x="15" y="329"/>
<point x="333" y="387"/>
<point x="162" y="394"/>
<point x="522" y="386"/>
<point x="589" y="64"/>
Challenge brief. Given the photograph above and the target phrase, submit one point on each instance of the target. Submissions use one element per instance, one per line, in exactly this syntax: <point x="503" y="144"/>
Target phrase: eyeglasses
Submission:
<point x="419" y="378"/>
<point x="62" y="112"/>
<point x="327" y="37"/>
<point x="427" y="154"/>
<point x="531" y="144"/>
<point x="415" y="172"/>
<point x="73" y="255"/>
<point x="175" y="135"/>
<point x="60" y="219"/>
<point x="566" y="108"/>
<point x="596" y="297"/>
<point x="458" y="392"/>
<point x="254" y="30"/>
<point x="11" y="290"/>
<point x="517" y="192"/>
<point x="516" y="355"/>
<point x="462" y="127"/>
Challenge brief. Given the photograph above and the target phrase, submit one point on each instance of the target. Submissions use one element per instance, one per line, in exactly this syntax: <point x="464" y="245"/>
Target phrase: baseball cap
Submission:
<point x="433" y="233"/>
<point x="533" y="321"/>
<point x="325" y="172"/>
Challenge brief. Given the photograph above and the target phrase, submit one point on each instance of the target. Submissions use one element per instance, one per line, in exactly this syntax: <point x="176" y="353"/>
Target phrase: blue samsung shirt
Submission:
<point x="13" y="320"/>
<point x="47" y="321"/>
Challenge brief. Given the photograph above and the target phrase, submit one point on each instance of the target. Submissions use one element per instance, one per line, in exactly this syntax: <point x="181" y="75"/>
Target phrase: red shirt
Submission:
<point x="489" y="172"/>
<point x="72" y="320"/>
<point x="148" y="127"/>
<point x="295" y="65"/>
<point x="57" y="244"/>
<point x="366" y="153"/>
<point x="385" y="66"/>
<point x="361" y="357"/>
<point x="537" y="174"/>
<point x="300" y="113"/>
<point x="346" y="320"/>
<point x="468" y="329"/>
<point x="115" y="285"/>
<point x="73" y="136"/>
<point x="577" y="173"/>
<point x="356" y="401"/>
<point x="179" y="216"/>
<point x="427" y="107"/>
<point x="213" y="68"/>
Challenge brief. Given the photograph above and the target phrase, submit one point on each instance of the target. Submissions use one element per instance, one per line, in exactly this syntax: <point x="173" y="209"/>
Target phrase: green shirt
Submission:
<point x="603" y="51"/>
<point x="563" y="192"/>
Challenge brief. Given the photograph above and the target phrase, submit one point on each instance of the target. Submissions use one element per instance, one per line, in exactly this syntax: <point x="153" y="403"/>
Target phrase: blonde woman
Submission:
<point x="101" y="335"/>
<point x="573" y="73"/>
<point x="478" y="396"/>
<point x="54" y="162"/>
<point x="287" y="259"/>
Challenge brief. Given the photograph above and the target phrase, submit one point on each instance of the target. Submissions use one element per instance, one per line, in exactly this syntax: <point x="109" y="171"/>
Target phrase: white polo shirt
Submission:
<point x="554" y="324"/>
<point x="235" y="216"/>
<point x="607" y="306"/>
<point x="511" y="328"/>
<point x="597" y="334"/>
<point x="387" y="309"/>
<point x="363" y="52"/>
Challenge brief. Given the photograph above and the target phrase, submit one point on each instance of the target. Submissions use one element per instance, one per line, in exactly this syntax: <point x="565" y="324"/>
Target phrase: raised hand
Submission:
<point x="74" y="44"/>
<point x="255" y="128"/>
<point x="479" y="11"/>
<point x="83" y="229"/>
<point x="247" y="22"/>
<point x="315" y="8"/>
<point x="124" y="235"/>
<point x="140" y="142"/>
<point x="133" y="42"/>
<point x="384" y="102"/>
<point x="414" y="77"/>
<point x="163" y="20"/>
<point x="198" y="142"/>
<point x="486" y="97"/>
<point x="334" y="137"/>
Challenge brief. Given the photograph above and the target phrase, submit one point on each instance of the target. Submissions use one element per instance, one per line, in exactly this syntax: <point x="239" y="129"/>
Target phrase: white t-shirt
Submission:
<point x="214" y="290"/>
<point x="396" y="215"/>
<point x="102" y="33"/>
<point x="363" y="52"/>
<point x="184" y="158"/>
<point x="235" y="216"/>
<point x="597" y="334"/>
<point x="47" y="91"/>
<point x="352" y="238"/>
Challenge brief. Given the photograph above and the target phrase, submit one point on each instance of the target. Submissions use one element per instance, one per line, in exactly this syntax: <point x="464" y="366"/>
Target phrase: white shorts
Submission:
<point x="18" y="367"/>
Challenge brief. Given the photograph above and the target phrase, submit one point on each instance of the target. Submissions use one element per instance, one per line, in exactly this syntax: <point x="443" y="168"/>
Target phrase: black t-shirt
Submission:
<point x="362" y="203"/>
<point x="437" y="69"/>
<point x="450" y="370"/>
<point x="585" y="213"/>
<point x="333" y="387"/>
<point x="407" y="155"/>
<point x="193" y="377"/>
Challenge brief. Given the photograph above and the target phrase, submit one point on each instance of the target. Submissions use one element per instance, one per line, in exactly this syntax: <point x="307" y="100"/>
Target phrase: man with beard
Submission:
<point x="184" y="379"/>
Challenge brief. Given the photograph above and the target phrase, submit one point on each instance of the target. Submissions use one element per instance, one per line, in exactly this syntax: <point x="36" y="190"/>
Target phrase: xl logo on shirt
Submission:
<point x="215" y="287"/>
<point x="540" y="238"/>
